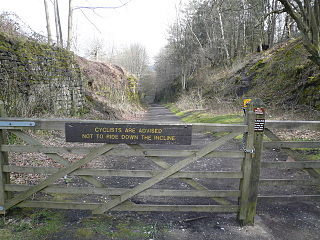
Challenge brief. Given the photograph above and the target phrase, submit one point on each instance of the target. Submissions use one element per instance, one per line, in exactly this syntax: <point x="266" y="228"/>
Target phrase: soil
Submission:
<point x="276" y="219"/>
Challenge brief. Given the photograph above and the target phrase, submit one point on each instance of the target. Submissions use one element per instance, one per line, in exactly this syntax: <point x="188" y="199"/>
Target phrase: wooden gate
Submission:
<point x="309" y="167"/>
<point x="241" y="200"/>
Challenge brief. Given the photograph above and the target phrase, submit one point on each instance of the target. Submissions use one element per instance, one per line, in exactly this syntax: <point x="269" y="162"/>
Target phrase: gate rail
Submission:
<point x="299" y="161"/>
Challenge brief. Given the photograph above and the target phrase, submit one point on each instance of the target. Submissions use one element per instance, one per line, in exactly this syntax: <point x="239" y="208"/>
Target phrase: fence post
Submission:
<point x="255" y="119"/>
<point x="4" y="177"/>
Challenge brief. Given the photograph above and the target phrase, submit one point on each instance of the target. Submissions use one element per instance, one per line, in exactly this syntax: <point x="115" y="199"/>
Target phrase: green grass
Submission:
<point x="31" y="224"/>
<point x="315" y="157"/>
<point x="172" y="108"/>
<point x="209" y="118"/>
<point x="190" y="116"/>
<point x="121" y="229"/>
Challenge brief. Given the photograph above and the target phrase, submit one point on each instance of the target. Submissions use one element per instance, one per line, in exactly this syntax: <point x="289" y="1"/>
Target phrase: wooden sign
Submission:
<point x="128" y="133"/>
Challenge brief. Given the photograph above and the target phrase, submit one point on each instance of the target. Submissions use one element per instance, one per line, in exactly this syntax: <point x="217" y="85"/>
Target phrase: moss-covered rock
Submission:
<point x="286" y="76"/>
<point x="38" y="78"/>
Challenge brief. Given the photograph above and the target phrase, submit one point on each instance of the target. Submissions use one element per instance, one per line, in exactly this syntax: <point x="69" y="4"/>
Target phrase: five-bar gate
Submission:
<point x="241" y="200"/>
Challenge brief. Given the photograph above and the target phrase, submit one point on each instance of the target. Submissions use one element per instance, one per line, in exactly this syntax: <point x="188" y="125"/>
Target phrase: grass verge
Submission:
<point x="31" y="224"/>
<point x="202" y="116"/>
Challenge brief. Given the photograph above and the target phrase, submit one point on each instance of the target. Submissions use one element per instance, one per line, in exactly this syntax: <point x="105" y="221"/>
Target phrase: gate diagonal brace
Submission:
<point x="94" y="153"/>
<point x="166" y="173"/>
<point x="315" y="173"/>
<point x="90" y="179"/>
<point x="30" y="140"/>
<point x="190" y="181"/>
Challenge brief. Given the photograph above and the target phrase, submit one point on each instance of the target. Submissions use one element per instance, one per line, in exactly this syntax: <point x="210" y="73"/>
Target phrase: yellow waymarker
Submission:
<point x="246" y="101"/>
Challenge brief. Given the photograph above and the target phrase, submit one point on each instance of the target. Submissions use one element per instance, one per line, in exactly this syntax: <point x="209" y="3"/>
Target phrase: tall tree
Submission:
<point x="70" y="18"/>
<point x="48" y="21"/>
<point x="58" y="23"/>
<point x="306" y="14"/>
<point x="73" y="8"/>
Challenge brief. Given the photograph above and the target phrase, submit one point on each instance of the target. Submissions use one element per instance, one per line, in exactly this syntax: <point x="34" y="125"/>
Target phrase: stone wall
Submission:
<point x="38" y="79"/>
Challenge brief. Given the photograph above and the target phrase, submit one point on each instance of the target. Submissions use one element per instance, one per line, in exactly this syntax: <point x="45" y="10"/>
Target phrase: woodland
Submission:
<point x="211" y="41"/>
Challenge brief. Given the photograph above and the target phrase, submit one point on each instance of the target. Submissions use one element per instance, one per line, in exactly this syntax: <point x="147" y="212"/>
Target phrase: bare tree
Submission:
<point x="222" y="33"/>
<point x="48" y="21"/>
<point x="96" y="50"/>
<point x="134" y="59"/>
<point x="70" y="18"/>
<point x="73" y="8"/>
<point x="58" y="24"/>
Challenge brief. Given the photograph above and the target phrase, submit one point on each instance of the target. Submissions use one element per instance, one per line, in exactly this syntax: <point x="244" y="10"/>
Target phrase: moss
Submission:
<point x="257" y="65"/>
<point x="285" y="75"/>
<point x="29" y="63"/>
<point x="30" y="54"/>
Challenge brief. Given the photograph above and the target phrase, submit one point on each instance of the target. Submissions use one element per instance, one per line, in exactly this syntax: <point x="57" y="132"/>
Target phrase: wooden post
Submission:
<point x="4" y="177"/>
<point x="254" y="117"/>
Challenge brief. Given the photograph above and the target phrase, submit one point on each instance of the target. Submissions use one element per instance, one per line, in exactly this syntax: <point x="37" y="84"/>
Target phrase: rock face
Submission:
<point x="36" y="79"/>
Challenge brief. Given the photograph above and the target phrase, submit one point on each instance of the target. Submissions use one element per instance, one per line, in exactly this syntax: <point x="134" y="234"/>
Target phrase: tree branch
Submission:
<point x="102" y="7"/>
<point x="279" y="11"/>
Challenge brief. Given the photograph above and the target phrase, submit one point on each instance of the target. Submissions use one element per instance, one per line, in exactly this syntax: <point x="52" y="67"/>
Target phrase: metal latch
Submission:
<point x="252" y="151"/>
<point x="16" y="124"/>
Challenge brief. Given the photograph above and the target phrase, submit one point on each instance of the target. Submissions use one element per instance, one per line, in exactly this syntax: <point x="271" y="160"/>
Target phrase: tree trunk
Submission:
<point x="223" y="35"/>
<point x="244" y="37"/>
<point x="287" y="28"/>
<point x="58" y="24"/>
<point x="307" y="17"/>
<point x="70" y="18"/>
<point x="48" y="22"/>
<point x="273" y="23"/>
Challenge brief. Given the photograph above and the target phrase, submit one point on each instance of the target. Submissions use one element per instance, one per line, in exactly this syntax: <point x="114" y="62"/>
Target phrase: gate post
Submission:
<point x="4" y="177"/>
<point x="249" y="184"/>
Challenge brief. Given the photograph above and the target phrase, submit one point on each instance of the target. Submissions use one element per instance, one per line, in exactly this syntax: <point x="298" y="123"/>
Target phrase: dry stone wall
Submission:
<point x="37" y="79"/>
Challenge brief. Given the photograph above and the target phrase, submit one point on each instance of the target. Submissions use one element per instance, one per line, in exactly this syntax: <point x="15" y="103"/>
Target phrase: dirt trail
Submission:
<point x="160" y="114"/>
<point x="283" y="220"/>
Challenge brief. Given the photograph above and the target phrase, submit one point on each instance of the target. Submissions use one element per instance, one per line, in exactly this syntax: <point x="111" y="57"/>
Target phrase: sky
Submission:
<point x="140" y="21"/>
